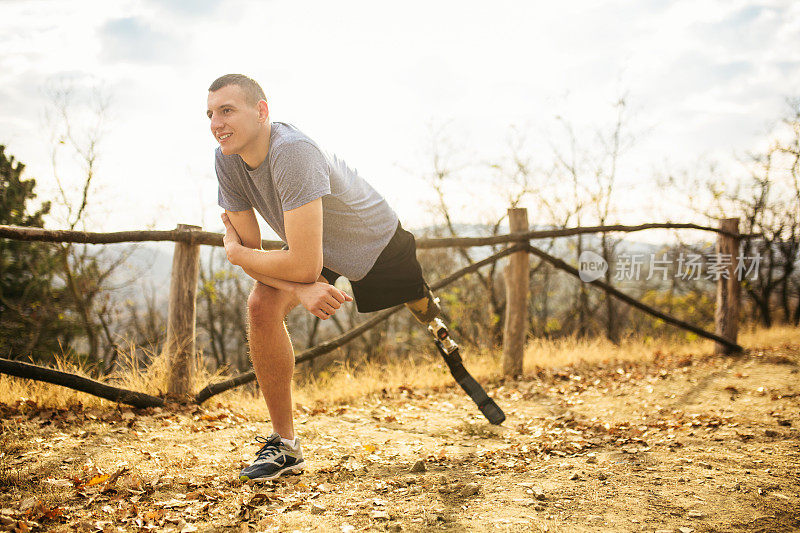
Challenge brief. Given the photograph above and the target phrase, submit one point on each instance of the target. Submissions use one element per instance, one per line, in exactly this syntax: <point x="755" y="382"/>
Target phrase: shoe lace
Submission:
<point x="271" y="447"/>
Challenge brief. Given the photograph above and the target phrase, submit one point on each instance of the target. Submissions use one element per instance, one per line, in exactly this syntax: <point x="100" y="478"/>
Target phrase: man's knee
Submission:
<point x="267" y="302"/>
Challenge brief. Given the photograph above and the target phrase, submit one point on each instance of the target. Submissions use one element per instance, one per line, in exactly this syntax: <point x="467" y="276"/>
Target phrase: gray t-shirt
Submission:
<point x="357" y="222"/>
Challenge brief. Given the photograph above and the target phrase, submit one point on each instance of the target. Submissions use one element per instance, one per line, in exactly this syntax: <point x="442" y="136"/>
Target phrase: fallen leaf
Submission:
<point x="97" y="480"/>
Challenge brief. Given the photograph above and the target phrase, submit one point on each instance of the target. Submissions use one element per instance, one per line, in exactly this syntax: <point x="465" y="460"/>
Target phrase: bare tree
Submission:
<point x="77" y="128"/>
<point x="146" y="323"/>
<point x="767" y="201"/>
<point x="590" y="169"/>
<point x="789" y="150"/>
<point x="571" y="164"/>
<point x="512" y="182"/>
<point x="606" y="174"/>
<point x="221" y="311"/>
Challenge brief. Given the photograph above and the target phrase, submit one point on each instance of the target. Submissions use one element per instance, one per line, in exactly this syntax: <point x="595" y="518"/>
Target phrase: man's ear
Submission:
<point x="263" y="110"/>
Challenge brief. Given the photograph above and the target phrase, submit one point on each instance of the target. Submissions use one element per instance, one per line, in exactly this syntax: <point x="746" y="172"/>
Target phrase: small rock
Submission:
<point x="419" y="466"/>
<point x="574" y="477"/>
<point x="785" y="423"/>
<point x="771" y="433"/>
<point x="379" y="515"/>
<point x="539" y="507"/>
<point x="591" y="459"/>
<point x="538" y="494"/>
<point x="471" y="489"/>
<point x="601" y="476"/>
<point x="694" y="513"/>
<point x="317" y="508"/>
<point x="455" y="487"/>
<point x="704" y="465"/>
<point x="664" y="531"/>
<point x="686" y="529"/>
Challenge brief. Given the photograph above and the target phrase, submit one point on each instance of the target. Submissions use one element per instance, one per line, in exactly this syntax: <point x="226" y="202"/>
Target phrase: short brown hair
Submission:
<point x="252" y="90"/>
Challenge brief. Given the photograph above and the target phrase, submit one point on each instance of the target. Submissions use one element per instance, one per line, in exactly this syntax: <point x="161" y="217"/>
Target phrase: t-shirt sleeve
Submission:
<point x="301" y="174"/>
<point x="229" y="196"/>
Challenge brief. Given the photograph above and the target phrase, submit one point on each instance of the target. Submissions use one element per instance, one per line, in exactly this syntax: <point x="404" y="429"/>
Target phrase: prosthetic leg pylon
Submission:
<point x="426" y="310"/>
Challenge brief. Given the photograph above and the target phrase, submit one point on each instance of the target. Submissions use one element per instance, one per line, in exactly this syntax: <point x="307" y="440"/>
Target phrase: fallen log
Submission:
<point x="21" y="369"/>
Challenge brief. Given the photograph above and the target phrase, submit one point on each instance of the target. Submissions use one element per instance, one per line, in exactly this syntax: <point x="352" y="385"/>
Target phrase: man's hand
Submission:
<point x="321" y="299"/>
<point x="231" y="240"/>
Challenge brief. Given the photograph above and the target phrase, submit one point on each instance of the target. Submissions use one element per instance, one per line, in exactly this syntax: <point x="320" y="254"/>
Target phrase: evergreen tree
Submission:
<point x="30" y="322"/>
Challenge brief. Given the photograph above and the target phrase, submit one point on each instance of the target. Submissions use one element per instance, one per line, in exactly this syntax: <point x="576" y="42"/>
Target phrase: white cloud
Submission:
<point x="133" y="39"/>
<point x="365" y="80"/>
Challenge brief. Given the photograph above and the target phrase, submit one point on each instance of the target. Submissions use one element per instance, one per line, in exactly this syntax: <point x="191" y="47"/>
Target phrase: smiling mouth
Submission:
<point x="224" y="137"/>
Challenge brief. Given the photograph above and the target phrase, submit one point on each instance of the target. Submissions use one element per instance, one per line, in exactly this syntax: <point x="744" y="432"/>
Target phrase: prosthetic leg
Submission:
<point x="426" y="311"/>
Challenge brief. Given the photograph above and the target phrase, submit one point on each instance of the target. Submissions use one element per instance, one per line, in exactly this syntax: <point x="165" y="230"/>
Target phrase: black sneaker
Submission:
<point x="274" y="459"/>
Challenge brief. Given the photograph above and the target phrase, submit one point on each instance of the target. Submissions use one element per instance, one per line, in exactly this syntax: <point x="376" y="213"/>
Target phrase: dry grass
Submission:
<point x="132" y="376"/>
<point x="545" y="353"/>
<point x="345" y="383"/>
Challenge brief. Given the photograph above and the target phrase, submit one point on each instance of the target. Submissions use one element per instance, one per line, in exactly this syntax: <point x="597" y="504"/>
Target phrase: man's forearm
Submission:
<point x="278" y="264"/>
<point x="281" y="284"/>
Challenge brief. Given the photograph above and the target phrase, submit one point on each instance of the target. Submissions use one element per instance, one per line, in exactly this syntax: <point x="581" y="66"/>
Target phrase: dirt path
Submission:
<point x="674" y="445"/>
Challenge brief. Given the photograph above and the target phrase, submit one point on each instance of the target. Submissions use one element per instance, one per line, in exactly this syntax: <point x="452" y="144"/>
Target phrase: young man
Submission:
<point x="333" y="222"/>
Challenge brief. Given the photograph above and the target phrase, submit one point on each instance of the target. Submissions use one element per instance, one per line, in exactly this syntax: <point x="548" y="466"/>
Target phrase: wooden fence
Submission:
<point x="180" y="343"/>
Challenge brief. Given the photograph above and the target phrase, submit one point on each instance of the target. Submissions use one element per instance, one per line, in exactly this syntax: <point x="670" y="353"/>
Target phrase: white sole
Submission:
<point x="294" y="470"/>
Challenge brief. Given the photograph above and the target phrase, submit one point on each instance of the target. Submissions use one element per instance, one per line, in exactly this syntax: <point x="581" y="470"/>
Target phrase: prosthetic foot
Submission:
<point x="426" y="310"/>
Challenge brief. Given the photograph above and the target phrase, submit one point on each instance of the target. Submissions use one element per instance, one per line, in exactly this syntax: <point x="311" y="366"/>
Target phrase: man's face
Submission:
<point x="235" y="123"/>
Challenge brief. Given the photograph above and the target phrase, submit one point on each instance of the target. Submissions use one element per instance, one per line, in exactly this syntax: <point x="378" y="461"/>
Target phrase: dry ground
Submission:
<point x="668" y="442"/>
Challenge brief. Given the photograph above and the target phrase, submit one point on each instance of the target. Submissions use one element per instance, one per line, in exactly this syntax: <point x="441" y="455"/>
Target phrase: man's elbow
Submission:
<point x="310" y="271"/>
<point x="310" y="275"/>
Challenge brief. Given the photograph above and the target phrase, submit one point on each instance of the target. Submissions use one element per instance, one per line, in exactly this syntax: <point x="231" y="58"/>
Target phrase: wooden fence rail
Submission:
<point x="181" y="234"/>
<point x="183" y="286"/>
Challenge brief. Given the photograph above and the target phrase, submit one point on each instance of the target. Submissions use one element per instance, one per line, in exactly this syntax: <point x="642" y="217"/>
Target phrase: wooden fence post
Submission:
<point x="181" y="321"/>
<point x="726" y="314"/>
<point x="517" y="275"/>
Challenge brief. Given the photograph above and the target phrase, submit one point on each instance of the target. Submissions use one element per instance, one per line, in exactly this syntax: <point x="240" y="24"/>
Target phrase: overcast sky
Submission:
<point x="370" y="80"/>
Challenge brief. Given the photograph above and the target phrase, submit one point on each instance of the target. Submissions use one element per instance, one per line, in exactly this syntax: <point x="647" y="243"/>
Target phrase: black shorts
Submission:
<point x="394" y="279"/>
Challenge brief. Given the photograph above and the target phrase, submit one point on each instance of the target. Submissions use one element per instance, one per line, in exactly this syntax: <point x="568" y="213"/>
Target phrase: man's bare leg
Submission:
<point x="271" y="352"/>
